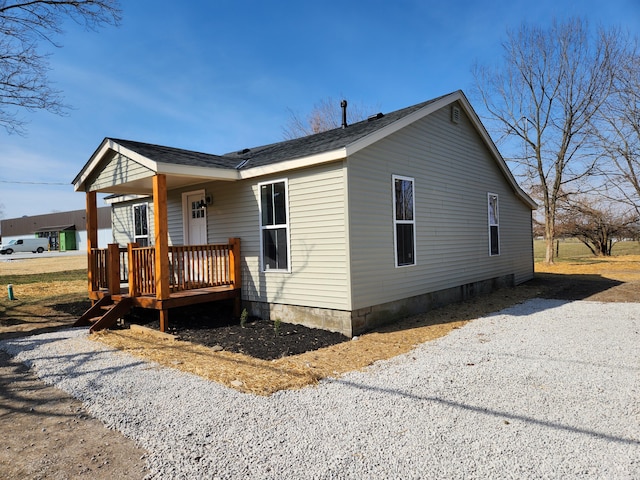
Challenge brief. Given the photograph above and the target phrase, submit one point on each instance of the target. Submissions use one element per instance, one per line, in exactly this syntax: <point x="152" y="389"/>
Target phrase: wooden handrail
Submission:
<point x="198" y="266"/>
<point x="98" y="269"/>
<point x="141" y="271"/>
<point x="108" y="268"/>
<point x="190" y="267"/>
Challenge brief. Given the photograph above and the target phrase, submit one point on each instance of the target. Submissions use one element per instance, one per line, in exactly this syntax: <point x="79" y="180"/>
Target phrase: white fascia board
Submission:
<point x="90" y="165"/>
<point x="431" y="108"/>
<point x="325" y="157"/>
<point x="207" y="173"/>
<point x="354" y="147"/>
<point x="99" y="154"/>
<point x="402" y="123"/>
<point x="496" y="153"/>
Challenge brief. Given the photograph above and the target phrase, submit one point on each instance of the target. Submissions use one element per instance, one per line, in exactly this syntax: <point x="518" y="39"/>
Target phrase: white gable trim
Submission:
<point x="402" y="123"/>
<point x="98" y="155"/>
<point x="342" y="153"/>
<point x="205" y="173"/>
<point x="380" y="134"/>
<point x="325" y="157"/>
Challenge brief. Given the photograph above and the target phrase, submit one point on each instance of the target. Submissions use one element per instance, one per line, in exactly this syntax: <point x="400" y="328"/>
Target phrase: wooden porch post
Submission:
<point x="113" y="268"/>
<point x="234" y="260"/>
<point x="133" y="287"/>
<point x="161" y="244"/>
<point x="235" y="273"/>
<point x="92" y="234"/>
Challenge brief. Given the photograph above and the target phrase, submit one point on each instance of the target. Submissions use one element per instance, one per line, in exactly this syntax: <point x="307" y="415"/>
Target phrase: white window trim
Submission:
<point x="186" y="214"/>
<point x="285" y="225"/>
<point x="133" y="213"/>
<point x="489" y="224"/>
<point x="395" y="221"/>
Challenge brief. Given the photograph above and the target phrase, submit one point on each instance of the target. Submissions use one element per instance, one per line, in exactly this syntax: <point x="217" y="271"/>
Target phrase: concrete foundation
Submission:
<point x="358" y="321"/>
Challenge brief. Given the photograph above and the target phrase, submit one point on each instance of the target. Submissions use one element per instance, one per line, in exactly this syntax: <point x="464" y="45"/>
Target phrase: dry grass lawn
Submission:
<point x="262" y="377"/>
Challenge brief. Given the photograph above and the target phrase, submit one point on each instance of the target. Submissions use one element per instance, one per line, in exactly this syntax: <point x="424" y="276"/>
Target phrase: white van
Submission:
<point x="25" y="245"/>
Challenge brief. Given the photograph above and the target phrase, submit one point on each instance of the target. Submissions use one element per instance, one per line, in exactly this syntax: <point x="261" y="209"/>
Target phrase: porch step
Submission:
<point x="112" y="315"/>
<point x="106" y="313"/>
<point x="96" y="310"/>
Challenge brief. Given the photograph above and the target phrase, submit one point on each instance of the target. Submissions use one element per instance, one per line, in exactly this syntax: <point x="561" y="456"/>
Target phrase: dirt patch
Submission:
<point x="49" y="435"/>
<point x="46" y="434"/>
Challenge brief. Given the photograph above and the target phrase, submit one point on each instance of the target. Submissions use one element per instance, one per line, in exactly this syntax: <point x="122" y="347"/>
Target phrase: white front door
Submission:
<point x="195" y="218"/>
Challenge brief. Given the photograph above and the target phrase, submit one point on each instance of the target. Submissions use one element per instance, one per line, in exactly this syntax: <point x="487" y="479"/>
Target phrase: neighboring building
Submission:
<point x="343" y="230"/>
<point x="65" y="230"/>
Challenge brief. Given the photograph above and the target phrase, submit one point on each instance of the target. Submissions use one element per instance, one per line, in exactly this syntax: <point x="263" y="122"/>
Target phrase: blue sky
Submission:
<point x="220" y="76"/>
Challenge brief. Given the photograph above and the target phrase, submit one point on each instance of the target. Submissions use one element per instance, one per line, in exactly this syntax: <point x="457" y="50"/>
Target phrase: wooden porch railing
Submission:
<point x="190" y="267"/>
<point x="99" y="265"/>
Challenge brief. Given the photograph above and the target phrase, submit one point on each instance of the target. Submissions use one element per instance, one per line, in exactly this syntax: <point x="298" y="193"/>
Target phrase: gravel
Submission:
<point x="545" y="389"/>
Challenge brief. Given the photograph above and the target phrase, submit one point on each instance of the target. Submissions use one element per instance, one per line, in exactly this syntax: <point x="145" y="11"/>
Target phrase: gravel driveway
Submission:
<point x="546" y="389"/>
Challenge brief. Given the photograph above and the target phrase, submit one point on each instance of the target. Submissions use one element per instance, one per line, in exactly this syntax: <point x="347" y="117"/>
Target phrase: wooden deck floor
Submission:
<point x="179" y="299"/>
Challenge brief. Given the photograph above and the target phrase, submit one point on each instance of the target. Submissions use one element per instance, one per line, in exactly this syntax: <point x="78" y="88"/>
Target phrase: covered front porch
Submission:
<point x="154" y="274"/>
<point x="159" y="277"/>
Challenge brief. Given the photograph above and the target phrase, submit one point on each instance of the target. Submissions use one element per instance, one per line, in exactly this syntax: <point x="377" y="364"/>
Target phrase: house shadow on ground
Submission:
<point x="544" y="286"/>
<point x="575" y="287"/>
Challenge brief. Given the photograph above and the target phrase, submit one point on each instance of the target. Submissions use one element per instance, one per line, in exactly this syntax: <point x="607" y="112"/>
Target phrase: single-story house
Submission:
<point x="342" y="230"/>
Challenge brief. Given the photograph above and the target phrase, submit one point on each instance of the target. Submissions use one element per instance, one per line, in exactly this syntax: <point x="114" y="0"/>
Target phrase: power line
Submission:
<point x="34" y="183"/>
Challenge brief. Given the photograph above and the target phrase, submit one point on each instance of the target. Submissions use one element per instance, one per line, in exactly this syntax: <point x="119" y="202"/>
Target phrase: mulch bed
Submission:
<point x="213" y="325"/>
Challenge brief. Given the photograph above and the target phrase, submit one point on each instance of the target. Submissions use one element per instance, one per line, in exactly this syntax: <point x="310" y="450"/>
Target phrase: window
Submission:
<point x="141" y="225"/>
<point x="494" y="225"/>
<point x="274" y="226"/>
<point x="404" y="221"/>
<point x="197" y="210"/>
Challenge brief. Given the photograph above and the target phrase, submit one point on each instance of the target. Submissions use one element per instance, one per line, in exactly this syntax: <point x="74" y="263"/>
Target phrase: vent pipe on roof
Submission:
<point x="343" y="104"/>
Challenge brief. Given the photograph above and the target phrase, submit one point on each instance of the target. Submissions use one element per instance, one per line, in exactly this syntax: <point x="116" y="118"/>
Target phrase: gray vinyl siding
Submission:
<point x="122" y="221"/>
<point x="453" y="172"/>
<point x="317" y="227"/>
<point x="175" y="223"/>
<point x="118" y="170"/>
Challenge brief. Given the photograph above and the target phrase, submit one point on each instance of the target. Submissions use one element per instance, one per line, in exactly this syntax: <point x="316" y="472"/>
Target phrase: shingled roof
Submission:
<point x="185" y="166"/>
<point x="276" y="152"/>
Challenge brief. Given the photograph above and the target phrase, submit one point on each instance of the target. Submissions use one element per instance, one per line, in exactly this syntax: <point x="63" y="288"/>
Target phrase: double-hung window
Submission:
<point x="274" y="225"/>
<point x="404" y="220"/>
<point x="141" y="224"/>
<point x="494" y="224"/>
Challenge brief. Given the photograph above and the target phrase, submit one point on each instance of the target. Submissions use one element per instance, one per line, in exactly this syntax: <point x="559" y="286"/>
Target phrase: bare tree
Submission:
<point x="325" y="115"/>
<point x="24" y="67"/>
<point x="596" y="225"/>
<point x="545" y="95"/>
<point x="619" y="134"/>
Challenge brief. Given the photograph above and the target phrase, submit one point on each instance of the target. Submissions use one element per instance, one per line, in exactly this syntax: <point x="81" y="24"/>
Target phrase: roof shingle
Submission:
<point x="276" y="152"/>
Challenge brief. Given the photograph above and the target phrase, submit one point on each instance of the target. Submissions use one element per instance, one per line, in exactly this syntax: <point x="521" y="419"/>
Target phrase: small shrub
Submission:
<point x="243" y="318"/>
<point x="276" y="326"/>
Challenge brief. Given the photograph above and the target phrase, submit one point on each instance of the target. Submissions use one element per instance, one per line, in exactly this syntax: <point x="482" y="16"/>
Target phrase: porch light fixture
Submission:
<point x="203" y="203"/>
